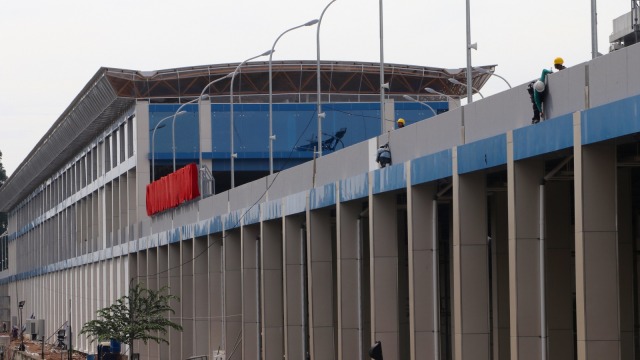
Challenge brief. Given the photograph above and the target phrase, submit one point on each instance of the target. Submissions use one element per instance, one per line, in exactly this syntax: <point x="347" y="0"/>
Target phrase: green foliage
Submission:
<point x="141" y="315"/>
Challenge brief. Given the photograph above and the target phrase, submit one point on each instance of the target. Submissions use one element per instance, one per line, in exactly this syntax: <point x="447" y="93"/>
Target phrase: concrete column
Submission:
<point x="524" y="179"/>
<point x="597" y="296"/>
<point x="154" y="263"/>
<point x="560" y="269"/>
<point x="321" y="285"/>
<point x="349" y="277"/>
<point x="272" y="301"/>
<point x="187" y="301"/>
<point x="470" y="265"/>
<point x="205" y="130"/>
<point x="384" y="273"/>
<point x="143" y="164"/>
<point x="175" y="282"/>
<point x="232" y="293"/>
<point x="201" y="300"/>
<point x="625" y="260"/>
<point x="250" y="292"/>
<point x="295" y="321"/>
<point x="217" y="292"/>
<point x="140" y="275"/>
<point x="423" y="273"/>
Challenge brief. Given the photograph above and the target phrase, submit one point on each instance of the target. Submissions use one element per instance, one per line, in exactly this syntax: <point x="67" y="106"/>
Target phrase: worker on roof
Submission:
<point x="558" y="63"/>
<point x="400" y="123"/>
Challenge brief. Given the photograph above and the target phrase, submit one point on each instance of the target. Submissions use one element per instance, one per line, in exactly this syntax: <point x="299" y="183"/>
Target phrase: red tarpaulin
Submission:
<point x="172" y="190"/>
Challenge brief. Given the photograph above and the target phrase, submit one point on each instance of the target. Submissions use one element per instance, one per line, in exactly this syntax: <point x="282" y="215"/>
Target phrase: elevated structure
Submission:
<point x="488" y="237"/>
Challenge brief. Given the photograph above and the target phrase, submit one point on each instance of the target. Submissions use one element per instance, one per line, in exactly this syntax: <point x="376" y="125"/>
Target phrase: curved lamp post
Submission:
<point x="455" y="81"/>
<point x="420" y="102"/>
<point x="271" y="136"/>
<point x="489" y="72"/>
<point x="319" y="112"/>
<point x="153" y="143"/>
<point x="432" y="91"/>
<point x="233" y="76"/>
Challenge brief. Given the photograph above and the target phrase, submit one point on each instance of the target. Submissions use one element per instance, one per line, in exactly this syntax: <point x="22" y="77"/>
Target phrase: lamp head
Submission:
<point x="473" y="46"/>
<point x="483" y="70"/>
<point x="408" y="97"/>
<point x="181" y="112"/>
<point x="267" y="53"/>
<point x="312" y="22"/>
<point x="455" y="81"/>
<point x="430" y="90"/>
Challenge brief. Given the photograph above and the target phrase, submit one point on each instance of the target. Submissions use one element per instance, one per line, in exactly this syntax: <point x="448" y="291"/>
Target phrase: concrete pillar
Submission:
<point x="187" y="299"/>
<point x="217" y="292"/>
<point x="524" y="179"/>
<point x="470" y="265"/>
<point x="250" y="292"/>
<point x="384" y="273"/>
<point x="175" y="286"/>
<point x="232" y="293"/>
<point x="625" y="261"/>
<point x="560" y="269"/>
<point x="349" y="277"/>
<point x="423" y="272"/>
<point x="143" y="165"/>
<point x="153" y="282"/>
<point x="201" y="300"/>
<point x="205" y="130"/>
<point x="295" y="298"/>
<point x="321" y="275"/>
<point x="272" y="301"/>
<point x="597" y="296"/>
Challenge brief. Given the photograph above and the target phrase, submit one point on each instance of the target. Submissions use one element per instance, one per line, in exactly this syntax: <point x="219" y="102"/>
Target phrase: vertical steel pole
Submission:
<point x="594" y="30"/>
<point x="469" y="78"/>
<point x="381" y="71"/>
<point x="319" y="112"/>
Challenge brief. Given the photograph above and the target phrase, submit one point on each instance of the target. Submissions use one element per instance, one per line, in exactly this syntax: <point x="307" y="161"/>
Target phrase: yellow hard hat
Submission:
<point x="558" y="61"/>
<point x="401" y="121"/>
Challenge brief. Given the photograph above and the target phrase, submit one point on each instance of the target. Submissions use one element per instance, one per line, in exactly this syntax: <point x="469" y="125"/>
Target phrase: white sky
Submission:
<point x="51" y="49"/>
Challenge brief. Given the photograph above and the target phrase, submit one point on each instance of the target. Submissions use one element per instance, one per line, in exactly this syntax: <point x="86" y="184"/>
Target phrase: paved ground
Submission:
<point x="34" y="349"/>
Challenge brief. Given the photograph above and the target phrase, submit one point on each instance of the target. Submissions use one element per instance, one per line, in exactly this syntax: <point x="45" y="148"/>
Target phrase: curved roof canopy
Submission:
<point x="111" y="93"/>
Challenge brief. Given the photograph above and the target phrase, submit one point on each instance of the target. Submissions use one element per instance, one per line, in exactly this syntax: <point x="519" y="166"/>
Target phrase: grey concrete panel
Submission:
<point x="273" y="298"/>
<point x="498" y="113"/>
<point x="246" y="195"/>
<point x="291" y="181"/>
<point x="323" y="343"/>
<point x="426" y="137"/>
<point x="606" y="82"/>
<point x="633" y="72"/>
<point x="322" y="280"/>
<point x="273" y="343"/>
<point x="294" y="295"/>
<point x="351" y="344"/>
<point x="214" y="205"/>
<point x="349" y="292"/>
<point x="385" y="294"/>
<point x="565" y="91"/>
<point x="343" y="164"/>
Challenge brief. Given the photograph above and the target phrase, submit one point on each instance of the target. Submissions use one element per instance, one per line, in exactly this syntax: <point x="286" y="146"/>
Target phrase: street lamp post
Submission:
<point x="432" y="91"/>
<point x="489" y="72"/>
<point x="153" y="143"/>
<point x="319" y="112"/>
<point x="271" y="136"/>
<point x="233" y="76"/>
<point x="20" y="306"/>
<point x="382" y="84"/>
<point x="469" y="89"/>
<point x="469" y="47"/>
<point x="420" y="102"/>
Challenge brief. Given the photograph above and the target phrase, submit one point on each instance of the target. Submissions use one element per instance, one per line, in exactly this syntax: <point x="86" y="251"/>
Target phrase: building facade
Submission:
<point x="488" y="237"/>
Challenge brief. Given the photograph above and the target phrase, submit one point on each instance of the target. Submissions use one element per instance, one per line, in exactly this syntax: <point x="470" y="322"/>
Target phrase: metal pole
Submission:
<point x="469" y="78"/>
<point x="271" y="136"/>
<point x="319" y="112"/>
<point x="153" y="143"/>
<point x="594" y="30"/>
<point x="231" y="119"/>
<point x="381" y="71"/>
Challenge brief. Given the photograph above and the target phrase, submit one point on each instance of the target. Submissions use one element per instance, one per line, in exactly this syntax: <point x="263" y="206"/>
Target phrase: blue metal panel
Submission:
<point x="188" y="231"/>
<point x="163" y="238"/>
<point x="251" y="216"/>
<point x="545" y="137"/>
<point x="431" y="167"/>
<point x="323" y="196"/>
<point x="612" y="120"/>
<point x="295" y="204"/>
<point x="232" y="220"/>
<point x="482" y="154"/>
<point x="355" y="187"/>
<point x="201" y="228"/>
<point x="215" y="226"/>
<point x="389" y="178"/>
<point x="174" y="235"/>
<point x="271" y="209"/>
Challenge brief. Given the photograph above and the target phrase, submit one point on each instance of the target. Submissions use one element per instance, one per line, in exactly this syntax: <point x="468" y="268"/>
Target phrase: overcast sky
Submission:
<point x="51" y="49"/>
